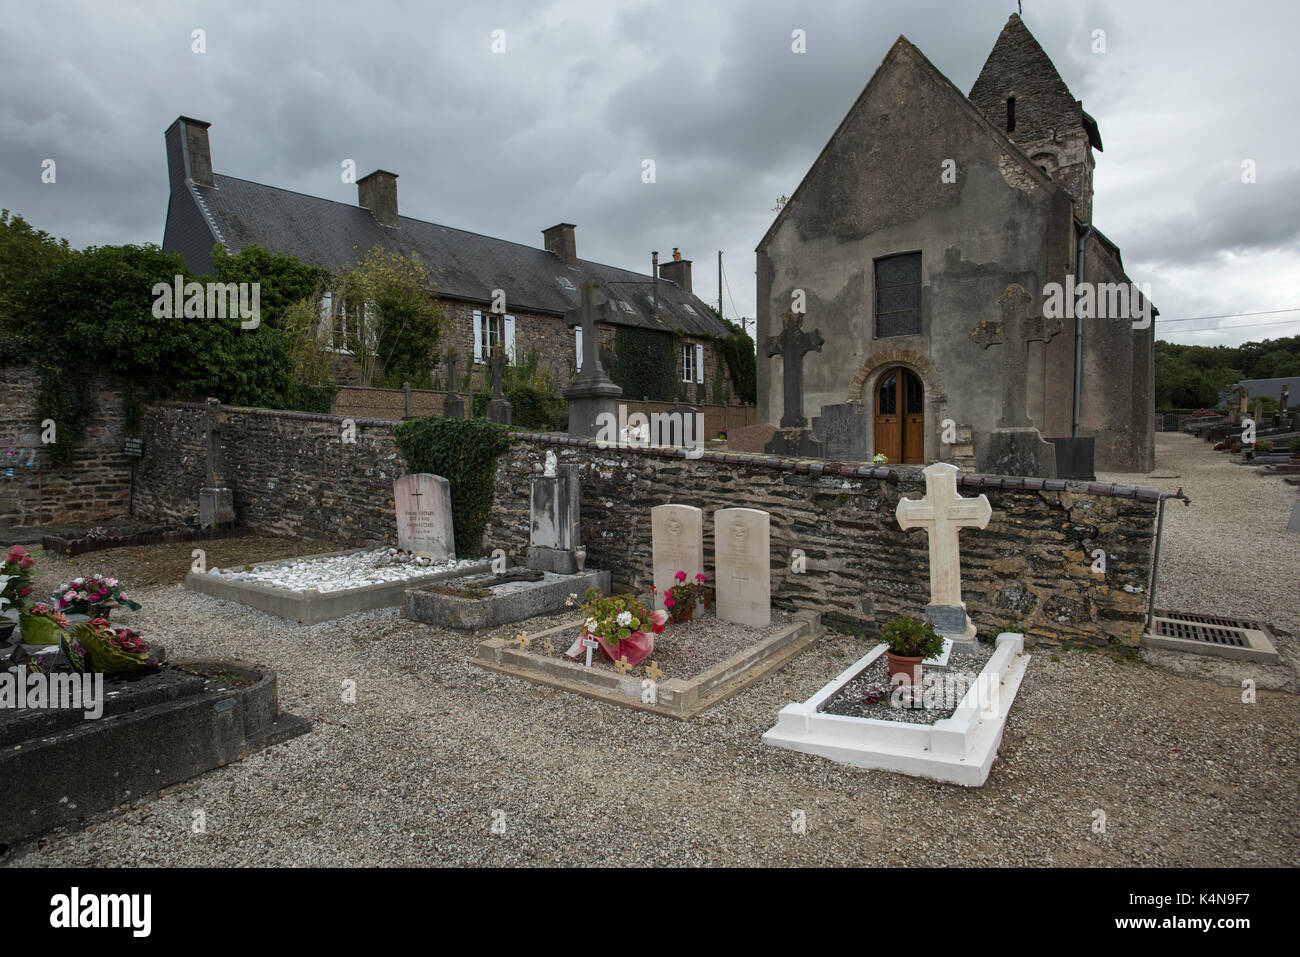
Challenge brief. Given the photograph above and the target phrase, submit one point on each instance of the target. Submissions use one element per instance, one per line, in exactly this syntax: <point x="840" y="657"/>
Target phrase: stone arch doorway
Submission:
<point x="898" y="416"/>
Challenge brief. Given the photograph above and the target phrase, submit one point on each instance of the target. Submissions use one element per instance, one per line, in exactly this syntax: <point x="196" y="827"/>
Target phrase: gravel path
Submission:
<point x="411" y="774"/>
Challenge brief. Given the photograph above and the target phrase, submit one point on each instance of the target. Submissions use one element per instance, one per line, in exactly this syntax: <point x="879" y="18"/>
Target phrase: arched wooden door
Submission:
<point x="900" y="417"/>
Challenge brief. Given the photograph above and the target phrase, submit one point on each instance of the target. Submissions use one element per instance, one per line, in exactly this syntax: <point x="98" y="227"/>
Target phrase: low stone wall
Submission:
<point x="93" y="487"/>
<point x="1030" y="571"/>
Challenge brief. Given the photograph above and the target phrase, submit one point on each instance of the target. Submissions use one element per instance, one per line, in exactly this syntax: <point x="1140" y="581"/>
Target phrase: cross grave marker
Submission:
<point x="792" y="343"/>
<point x="1016" y="329"/>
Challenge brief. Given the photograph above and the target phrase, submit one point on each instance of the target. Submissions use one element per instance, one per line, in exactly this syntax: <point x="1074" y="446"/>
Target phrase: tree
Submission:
<point x="24" y="254"/>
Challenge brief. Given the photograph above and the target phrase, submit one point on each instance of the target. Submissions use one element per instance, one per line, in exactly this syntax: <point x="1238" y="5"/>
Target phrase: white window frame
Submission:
<point x="688" y="361"/>
<point x="491" y="328"/>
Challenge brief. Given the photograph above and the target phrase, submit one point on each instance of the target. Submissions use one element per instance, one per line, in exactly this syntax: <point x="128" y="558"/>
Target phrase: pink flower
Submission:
<point x="24" y="592"/>
<point x="70" y="596"/>
<point x="700" y="578"/>
<point x="670" y="601"/>
<point x="16" y="553"/>
<point x="26" y="562"/>
<point x="680" y="576"/>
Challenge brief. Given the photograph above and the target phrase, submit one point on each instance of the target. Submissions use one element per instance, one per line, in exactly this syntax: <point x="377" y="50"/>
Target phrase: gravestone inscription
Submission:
<point x="424" y="522"/>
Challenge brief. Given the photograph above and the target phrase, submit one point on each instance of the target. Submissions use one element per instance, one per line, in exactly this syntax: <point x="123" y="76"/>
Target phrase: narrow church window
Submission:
<point x="898" y="295"/>
<point x="1011" y="114"/>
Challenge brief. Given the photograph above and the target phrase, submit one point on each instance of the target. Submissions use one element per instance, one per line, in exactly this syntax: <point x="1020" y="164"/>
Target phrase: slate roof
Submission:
<point x="1258" y="388"/>
<point x="464" y="265"/>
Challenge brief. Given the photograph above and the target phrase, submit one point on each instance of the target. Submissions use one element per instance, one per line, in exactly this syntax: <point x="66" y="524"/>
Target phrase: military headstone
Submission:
<point x="677" y="544"/>
<point x="424" y="522"/>
<point x="743" y="571"/>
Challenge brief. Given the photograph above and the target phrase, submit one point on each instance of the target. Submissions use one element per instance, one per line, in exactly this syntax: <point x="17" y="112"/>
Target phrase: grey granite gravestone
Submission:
<point x="842" y="430"/>
<point x="1075" y="457"/>
<point x="555" y="521"/>
<point x="424" y="522"/>
<point x="792" y="343"/>
<point x="591" y="395"/>
<point x="1015" y="447"/>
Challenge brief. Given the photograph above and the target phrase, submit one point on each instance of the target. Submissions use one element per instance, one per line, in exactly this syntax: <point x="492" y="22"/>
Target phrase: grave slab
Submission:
<point x="508" y="602"/>
<point x="958" y="750"/>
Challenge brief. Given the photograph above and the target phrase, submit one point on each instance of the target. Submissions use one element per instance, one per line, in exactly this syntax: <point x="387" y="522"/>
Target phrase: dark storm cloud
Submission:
<point x="557" y="127"/>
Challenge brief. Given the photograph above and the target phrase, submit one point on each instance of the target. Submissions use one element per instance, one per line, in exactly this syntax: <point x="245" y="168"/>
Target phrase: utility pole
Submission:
<point x="719" y="282"/>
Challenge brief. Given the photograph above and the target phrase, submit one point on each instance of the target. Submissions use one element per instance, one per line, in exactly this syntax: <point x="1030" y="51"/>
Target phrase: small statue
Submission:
<point x="551" y="462"/>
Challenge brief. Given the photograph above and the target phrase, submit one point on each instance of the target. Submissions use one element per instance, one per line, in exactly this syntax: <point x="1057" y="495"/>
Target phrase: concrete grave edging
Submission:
<point x="957" y="750"/>
<point x="676" y="698"/>
<point x="311" y="607"/>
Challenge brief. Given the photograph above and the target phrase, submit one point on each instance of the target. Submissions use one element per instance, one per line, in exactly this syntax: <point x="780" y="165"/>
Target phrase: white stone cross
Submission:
<point x="591" y="644"/>
<point x="941" y="513"/>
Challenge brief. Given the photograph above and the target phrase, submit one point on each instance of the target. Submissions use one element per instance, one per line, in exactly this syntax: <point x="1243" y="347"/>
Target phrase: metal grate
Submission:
<point x="1211" y="634"/>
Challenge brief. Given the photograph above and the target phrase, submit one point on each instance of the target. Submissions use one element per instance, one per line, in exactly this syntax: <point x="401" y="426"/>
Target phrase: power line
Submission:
<point x="727" y="283"/>
<point x="1245" y="325"/>
<point x="1236" y="315"/>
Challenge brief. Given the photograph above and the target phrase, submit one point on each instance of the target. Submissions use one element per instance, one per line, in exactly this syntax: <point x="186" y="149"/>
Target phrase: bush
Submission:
<point x="464" y="452"/>
<point x="910" y="638"/>
<point x="1295" y="445"/>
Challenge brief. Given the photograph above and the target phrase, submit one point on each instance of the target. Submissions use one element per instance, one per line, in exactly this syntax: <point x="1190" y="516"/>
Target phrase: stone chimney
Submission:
<point x="678" y="270"/>
<point x="560" y="242"/>
<point x="377" y="192"/>
<point x="188" y="154"/>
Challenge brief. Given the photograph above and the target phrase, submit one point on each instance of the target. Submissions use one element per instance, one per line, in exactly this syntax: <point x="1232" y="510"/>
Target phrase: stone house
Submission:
<point x="539" y="284"/>
<point x="922" y="209"/>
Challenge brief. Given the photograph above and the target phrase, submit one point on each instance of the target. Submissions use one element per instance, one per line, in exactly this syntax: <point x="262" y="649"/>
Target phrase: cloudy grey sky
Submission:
<point x="555" y="128"/>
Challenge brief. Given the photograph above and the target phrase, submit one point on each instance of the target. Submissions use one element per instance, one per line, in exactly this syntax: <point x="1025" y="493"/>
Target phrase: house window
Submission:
<point x="341" y="330"/>
<point x="492" y="330"/>
<point x="692" y="362"/>
<point x="898" y="295"/>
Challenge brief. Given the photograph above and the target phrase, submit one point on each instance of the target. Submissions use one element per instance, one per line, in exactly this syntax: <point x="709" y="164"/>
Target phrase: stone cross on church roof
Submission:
<point x="1016" y="329"/>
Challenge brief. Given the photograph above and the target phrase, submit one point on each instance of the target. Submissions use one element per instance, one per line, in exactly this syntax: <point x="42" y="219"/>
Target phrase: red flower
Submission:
<point x="16" y="553"/>
<point x="24" y="592"/>
<point x="26" y="562"/>
<point x="700" y="578"/>
<point x="670" y="601"/>
<point x="680" y="576"/>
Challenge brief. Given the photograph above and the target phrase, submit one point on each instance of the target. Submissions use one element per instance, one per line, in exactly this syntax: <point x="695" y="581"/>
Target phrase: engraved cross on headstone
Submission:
<point x="792" y="343"/>
<point x="942" y="513"/>
<point x="498" y="369"/>
<point x="586" y="316"/>
<point x="1016" y="329"/>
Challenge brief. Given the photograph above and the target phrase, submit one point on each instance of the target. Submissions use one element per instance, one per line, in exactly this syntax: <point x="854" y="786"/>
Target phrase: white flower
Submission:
<point x="78" y="581"/>
<point x="572" y="599"/>
<point x="624" y="619"/>
<point x="111" y="582"/>
<point x="591" y="624"/>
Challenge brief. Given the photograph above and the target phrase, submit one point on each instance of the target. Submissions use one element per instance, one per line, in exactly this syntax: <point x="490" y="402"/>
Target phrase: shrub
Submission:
<point x="1295" y="445"/>
<point x="1264" y="445"/>
<point x="464" y="452"/>
<point x="910" y="638"/>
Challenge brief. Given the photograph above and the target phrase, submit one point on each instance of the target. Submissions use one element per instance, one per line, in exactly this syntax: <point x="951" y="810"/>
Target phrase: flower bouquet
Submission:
<point x="42" y="625"/>
<point x="682" y="599"/>
<point x="92" y="596"/>
<point x="16" y="578"/>
<point x="113" y="651"/>
<point x="618" y="624"/>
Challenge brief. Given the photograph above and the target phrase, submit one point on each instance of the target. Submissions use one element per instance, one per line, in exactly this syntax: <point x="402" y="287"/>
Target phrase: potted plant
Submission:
<point x="619" y="623"/>
<point x="910" y="642"/>
<point x="682" y="599"/>
<point x="92" y="596"/>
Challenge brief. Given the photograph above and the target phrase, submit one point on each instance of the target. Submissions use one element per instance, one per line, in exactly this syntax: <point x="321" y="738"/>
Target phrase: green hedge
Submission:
<point x="645" y="364"/>
<point x="464" y="452"/>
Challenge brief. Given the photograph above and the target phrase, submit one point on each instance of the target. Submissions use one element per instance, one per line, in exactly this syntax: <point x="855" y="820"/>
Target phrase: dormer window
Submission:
<point x="1011" y="114"/>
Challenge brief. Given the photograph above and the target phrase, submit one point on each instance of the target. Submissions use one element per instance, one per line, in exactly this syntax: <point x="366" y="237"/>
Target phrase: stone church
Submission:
<point x="923" y="210"/>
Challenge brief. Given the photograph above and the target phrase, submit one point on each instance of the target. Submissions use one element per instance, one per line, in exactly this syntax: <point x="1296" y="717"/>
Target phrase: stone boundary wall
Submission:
<point x="95" y="486"/>
<point x="1029" y="571"/>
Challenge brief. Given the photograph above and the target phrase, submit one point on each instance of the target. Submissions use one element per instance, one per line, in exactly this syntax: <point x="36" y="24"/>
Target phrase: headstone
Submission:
<point x="453" y="406"/>
<point x="216" y="499"/>
<point x="942" y="513"/>
<point x="555" y="521"/>
<point x="743" y="571"/>
<point x="424" y="522"/>
<point x="1075" y="457"/>
<point x="498" y="408"/>
<point x="1016" y="447"/>
<point x="591" y="395"/>
<point x="677" y="544"/>
<point x="843" y="431"/>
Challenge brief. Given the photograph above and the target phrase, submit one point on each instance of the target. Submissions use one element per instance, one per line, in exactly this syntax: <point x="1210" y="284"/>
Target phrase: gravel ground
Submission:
<point x="1228" y="553"/>
<point x="936" y="698"/>
<point x="412" y="773"/>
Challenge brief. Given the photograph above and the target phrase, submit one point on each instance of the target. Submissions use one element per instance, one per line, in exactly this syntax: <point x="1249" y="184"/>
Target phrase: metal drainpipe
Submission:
<point x="1155" y="562"/>
<point x="1078" y="332"/>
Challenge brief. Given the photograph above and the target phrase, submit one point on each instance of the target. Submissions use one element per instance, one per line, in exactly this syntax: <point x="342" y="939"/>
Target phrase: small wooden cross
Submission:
<point x="524" y="641"/>
<point x="622" y="665"/>
<point x="655" y="672"/>
<point x="550" y="647"/>
<point x="590" y="644"/>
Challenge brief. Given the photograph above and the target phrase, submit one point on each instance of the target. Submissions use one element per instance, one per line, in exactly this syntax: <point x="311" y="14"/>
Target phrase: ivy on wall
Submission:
<point x="464" y="452"/>
<point x="738" y="351"/>
<point x="646" y="364"/>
